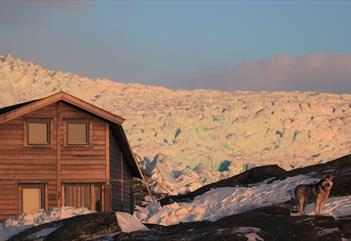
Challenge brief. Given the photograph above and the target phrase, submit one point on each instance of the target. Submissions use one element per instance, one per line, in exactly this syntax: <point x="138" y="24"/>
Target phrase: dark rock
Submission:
<point x="79" y="228"/>
<point x="251" y="176"/>
<point x="85" y="226"/>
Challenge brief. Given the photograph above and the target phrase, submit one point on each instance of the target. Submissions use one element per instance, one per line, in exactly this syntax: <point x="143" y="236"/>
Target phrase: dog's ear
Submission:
<point x="324" y="177"/>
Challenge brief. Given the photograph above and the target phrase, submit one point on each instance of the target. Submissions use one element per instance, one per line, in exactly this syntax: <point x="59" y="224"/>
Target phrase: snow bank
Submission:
<point x="129" y="223"/>
<point x="221" y="202"/>
<point x="13" y="226"/>
<point x="334" y="206"/>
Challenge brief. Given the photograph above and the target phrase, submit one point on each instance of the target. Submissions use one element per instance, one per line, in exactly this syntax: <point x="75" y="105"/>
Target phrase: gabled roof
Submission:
<point x="11" y="112"/>
<point x="14" y="111"/>
<point x="12" y="107"/>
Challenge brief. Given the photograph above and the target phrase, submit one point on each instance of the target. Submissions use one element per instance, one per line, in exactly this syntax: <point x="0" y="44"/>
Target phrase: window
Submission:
<point x="31" y="197"/>
<point x="38" y="132"/>
<point x="77" y="132"/>
<point x="87" y="195"/>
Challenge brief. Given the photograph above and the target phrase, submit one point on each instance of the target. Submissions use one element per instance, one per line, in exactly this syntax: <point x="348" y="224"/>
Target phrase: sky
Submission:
<point x="226" y="45"/>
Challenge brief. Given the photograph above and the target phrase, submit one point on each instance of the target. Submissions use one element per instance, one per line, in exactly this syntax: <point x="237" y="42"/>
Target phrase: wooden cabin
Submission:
<point x="62" y="151"/>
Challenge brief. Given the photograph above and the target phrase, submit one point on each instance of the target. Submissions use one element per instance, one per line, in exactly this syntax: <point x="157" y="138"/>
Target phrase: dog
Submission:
<point x="318" y="192"/>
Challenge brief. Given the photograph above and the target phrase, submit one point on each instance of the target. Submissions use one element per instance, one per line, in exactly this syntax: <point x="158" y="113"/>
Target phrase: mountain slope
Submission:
<point x="193" y="126"/>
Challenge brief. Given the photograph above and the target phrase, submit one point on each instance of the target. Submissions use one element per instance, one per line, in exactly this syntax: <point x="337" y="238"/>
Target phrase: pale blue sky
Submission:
<point x="182" y="44"/>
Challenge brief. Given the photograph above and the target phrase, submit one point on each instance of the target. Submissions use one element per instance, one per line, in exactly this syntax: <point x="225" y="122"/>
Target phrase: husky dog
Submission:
<point x="318" y="193"/>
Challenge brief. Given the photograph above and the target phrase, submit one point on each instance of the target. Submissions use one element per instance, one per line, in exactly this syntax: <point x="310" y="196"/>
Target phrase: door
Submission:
<point x="84" y="195"/>
<point x="32" y="198"/>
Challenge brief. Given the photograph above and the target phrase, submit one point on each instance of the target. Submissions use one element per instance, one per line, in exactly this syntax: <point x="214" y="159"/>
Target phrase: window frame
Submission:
<point x="41" y="186"/>
<point x="46" y="121"/>
<point x="88" y="132"/>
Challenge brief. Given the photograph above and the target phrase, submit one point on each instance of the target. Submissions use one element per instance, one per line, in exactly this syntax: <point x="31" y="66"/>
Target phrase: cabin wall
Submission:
<point x="120" y="179"/>
<point x="82" y="163"/>
<point x="52" y="165"/>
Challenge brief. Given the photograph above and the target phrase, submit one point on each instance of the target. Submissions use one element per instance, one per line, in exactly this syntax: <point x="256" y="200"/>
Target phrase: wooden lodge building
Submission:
<point x="62" y="151"/>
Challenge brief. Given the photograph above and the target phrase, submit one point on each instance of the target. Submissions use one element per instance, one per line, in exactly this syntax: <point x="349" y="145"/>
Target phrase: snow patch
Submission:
<point x="129" y="223"/>
<point x="253" y="237"/>
<point x="250" y="233"/>
<point x="334" y="206"/>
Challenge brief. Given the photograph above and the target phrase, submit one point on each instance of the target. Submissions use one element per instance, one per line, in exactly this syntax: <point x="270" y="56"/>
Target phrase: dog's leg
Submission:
<point x="304" y="206"/>
<point x="321" y="205"/>
<point x="301" y="205"/>
<point x="316" y="207"/>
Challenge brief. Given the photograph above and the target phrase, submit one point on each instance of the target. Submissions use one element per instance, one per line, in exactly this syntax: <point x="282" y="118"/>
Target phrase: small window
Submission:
<point x="77" y="132"/>
<point x="38" y="132"/>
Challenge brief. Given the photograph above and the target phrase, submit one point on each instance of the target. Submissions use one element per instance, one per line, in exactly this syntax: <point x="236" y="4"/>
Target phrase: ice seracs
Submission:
<point x="291" y="129"/>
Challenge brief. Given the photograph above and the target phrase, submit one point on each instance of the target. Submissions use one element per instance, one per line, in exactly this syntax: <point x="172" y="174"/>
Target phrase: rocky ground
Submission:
<point x="271" y="223"/>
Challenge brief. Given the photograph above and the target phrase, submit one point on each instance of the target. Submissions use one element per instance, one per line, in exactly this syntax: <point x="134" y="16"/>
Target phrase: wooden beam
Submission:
<point x="107" y="153"/>
<point x="108" y="197"/>
<point x="58" y="156"/>
<point x="92" y="197"/>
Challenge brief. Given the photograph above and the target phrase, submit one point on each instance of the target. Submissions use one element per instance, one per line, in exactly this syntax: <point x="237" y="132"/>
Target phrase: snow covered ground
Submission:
<point x="13" y="226"/>
<point x="221" y="202"/>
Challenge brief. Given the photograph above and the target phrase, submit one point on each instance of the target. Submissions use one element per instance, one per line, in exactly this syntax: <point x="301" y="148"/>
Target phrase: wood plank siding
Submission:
<point x="121" y="179"/>
<point x="58" y="163"/>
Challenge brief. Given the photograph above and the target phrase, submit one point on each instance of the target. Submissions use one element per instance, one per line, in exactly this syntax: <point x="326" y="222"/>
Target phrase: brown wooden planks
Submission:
<point x="51" y="165"/>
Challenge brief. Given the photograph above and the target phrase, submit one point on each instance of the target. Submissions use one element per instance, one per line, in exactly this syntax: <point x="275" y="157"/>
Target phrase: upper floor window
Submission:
<point x="38" y="132"/>
<point x="77" y="132"/>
